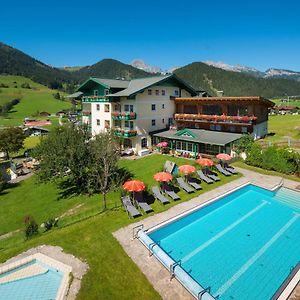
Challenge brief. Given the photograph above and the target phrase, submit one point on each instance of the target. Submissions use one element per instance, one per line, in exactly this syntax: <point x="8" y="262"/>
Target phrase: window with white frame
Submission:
<point x="97" y="106"/>
<point x="106" y="92"/>
<point x="153" y="122"/>
<point x="163" y="106"/>
<point x="176" y="93"/>
<point x="163" y="92"/>
<point x="95" y="92"/>
<point x="129" y="125"/>
<point x="163" y="121"/>
<point x="149" y="92"/>
<point x="153" y="107"/>
<point x="107" y="123"/>
<point x="106" y="108"/>
<point x="157" y="92"/>
<point x="144" y="143"/>
<point x="98" y="122"/>
<point x="128" y="107"/>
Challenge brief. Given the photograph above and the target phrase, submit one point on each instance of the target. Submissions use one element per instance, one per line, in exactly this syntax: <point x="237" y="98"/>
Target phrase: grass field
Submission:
<point x="37" y="99"/>
<point x="90" y="239"/>
<point x="290" y="103"/>
<point x="284" y="126"/>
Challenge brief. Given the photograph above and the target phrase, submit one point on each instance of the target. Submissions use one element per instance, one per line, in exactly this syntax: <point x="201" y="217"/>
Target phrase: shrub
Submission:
<point x="243" y="143"/>
<point x="254" y="155"/>
<point x="31" y="227"/>
<point x="49" y="224"/>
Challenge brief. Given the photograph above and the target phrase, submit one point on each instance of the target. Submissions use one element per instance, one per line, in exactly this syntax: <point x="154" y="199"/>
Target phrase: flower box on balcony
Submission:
<point x="123" y="115"/>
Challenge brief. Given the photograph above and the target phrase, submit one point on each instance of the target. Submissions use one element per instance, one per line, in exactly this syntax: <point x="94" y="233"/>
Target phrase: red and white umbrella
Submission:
<point x="206" y="162"/>
<point x="163" y="177"/>
<point x="186" y="169"/>
<point x="223" y="156"/>
<point x="162" y="144"/>
<point x="134" y="186"/>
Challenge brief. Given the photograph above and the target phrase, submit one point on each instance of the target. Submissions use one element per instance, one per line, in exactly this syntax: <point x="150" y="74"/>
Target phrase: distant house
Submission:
<point x="75" y="96"/>
<point x="287" y="109"/>
<point x="61" y="113"/>
<point x="35" y="130"/>
<point x="45" y="114"/>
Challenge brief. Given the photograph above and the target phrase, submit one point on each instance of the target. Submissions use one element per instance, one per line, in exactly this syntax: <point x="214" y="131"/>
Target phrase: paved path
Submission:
<point x="157" y="275"/>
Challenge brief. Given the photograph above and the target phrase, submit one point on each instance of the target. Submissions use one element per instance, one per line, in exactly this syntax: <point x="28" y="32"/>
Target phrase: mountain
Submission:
<point x="109" y="68"/>
<point x="140" y="64"/>
<point x="270" y="73"/>
<point x="15" y="62"/>
<point x="206" y="77"/>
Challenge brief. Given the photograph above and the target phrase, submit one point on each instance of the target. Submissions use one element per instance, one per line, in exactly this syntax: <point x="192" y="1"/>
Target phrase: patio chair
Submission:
<point x="159" y="196"/>
<point x="223" y="171"/>
<point x="212" y="175"/>
<point x="186" y="187"/>
<point x="230" y="168"/>
<point x="169" y="191"/>
<point x="142" y="203"/>
<point x="191" y="181"/>
<point x="131" y="210"/>
<point x="204" y="178"/>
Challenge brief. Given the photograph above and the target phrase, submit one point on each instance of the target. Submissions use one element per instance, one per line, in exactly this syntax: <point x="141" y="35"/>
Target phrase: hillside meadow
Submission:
<point x="36" y="99"/>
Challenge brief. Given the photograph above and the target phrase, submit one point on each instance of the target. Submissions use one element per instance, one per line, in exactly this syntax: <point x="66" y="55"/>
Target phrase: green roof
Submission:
<point x="137" y="85"/>
<point x="201" y="136"/>
<point x="107" y="83"/>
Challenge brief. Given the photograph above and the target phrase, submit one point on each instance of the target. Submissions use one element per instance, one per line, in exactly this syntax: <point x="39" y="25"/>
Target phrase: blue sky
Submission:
<point x="259" y="34"/>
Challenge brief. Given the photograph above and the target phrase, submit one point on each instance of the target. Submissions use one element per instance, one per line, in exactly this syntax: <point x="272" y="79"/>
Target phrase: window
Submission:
<point x="106" y="107"/>
<point x="153" y="107"/>
<point x="153" y="122"/>
<point x="170" y="121"/>
<point x="97" y="106"/>
<point x="128" y="107"/>
<point x="190" y="109"/>
<point x="176" y="93"/>
<point x="106" y="92"/>
<point x="149" y="92"/>
<point x="98" y="122"/>
<point x="117" y="123"/>
<point x="163" y="121"/>
<point x="144" y="143"/>
<point x="107" y="123"/>
<point x="244" y="130"/>
<point x="190" y="147"/>
<point x="117" y="107"/>
<point x="95" y="92"/>
<point x="163" y="106"/>
<point x="163" y="92"/>
<point x="212" y="110"/>
<point x="129" y="125"/>
<point x="157" y="92"/>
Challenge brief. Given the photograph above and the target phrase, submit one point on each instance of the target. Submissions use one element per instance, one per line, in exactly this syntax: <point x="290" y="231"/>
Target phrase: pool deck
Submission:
<point x="159" y="276"/>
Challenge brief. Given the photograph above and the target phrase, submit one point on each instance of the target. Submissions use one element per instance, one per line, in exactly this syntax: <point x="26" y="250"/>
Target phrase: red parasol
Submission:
<point x="134" y="186"/>
<point x="163" y="177"/>
<point x="223" y="156"/>
<point x="187" y="169"/>
<point x="162" y="144"/>
<point x="205" y="162"/>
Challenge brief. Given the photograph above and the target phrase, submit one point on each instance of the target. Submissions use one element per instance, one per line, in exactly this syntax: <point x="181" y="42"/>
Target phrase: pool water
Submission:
<point x="43" y="286"/>
<point x="242" y="246"/>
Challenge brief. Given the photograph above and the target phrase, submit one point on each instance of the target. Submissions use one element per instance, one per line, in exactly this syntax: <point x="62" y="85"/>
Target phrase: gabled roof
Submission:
<point x="201" y="136"/>
<point x="137" y="85"/>
<point x="107" y="83"/>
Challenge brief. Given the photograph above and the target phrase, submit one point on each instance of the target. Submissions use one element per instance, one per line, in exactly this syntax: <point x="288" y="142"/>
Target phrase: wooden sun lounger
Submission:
<point x="131" y="210"/>
<point x="142" y="203"/>
<point x="223" y="171"/>
<point x="186" y="187"/>
<point x="170" y="192"/>
<point x="204" y="178"/>
<point x="159" y="196"/>
<point x="193" y="183"/>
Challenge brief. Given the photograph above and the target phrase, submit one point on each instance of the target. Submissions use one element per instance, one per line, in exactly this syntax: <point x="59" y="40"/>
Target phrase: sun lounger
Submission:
<point x="193" y="183"/>
<point x="131" y="210"/>
<point x="159" y="196"/>
<point x="222" y="170"/>
<point x="184" y="185"/>
<point x="170" y="192"/>
<point x="212" y="176"/>
<point x="230" y="169"/>
<point x="204" y="178"/>
<point x="142" y="203"/>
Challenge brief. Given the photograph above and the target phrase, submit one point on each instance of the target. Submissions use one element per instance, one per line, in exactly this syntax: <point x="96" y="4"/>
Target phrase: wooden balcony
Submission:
<point x="90" y="99"/>
<point x="221" y="119"/>
<point x="123" y="116"/>
<point x="126" y="133"/>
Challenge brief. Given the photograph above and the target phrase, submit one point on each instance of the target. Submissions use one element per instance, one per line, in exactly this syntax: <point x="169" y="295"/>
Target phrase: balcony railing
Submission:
<point x="123" y="115"/>
<point x="216" y="119"/>
<point x="89" y="99"/>
<point x="124" y="132"/>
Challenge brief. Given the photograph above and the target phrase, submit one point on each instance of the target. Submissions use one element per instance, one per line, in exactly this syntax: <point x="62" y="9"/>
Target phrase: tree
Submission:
<point x="103" y="169"/>
<point x="11" y="140"/>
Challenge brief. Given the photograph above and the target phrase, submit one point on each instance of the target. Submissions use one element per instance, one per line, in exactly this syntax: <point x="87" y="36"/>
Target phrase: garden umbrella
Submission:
<point x="187" y="169"/>
<point x="163" y="177"/>
<point x="134" y="186"/>
<point x="223" y="156"/>
<point x="162" y="144"/>
<point x="206" y="162"/>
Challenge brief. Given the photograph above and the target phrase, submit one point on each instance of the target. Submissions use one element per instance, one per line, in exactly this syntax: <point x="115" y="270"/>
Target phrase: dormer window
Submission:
<point x="106" y="92"/>
<point x="95" y="92"/>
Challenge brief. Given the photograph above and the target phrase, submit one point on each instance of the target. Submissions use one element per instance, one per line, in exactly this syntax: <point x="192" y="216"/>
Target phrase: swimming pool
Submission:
<point x="32" y="279"/>
<point x="242" y="246"/>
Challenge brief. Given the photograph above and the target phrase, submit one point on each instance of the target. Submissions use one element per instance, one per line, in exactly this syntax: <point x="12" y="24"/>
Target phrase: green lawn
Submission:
<point x="284" y="126"/>
<point x="290" y="103"/>
<point x="38" y="99"/>
<point x="90" y="239"/>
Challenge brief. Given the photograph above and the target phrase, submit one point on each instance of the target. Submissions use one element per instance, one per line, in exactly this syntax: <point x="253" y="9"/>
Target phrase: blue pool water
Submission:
<point x="242" y="246"/>
<point x="40" y="287"/>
